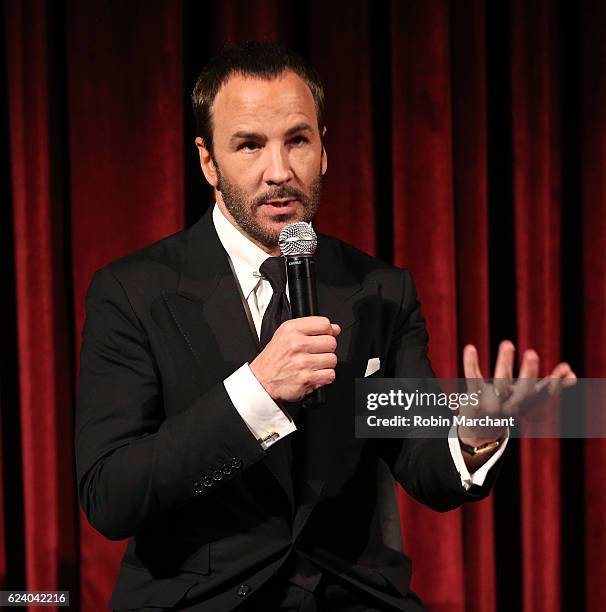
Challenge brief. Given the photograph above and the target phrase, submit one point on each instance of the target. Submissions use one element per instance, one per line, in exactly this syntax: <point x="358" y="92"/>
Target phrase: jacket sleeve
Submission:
<point x="423" y="466"/>
<point x="133" y="464"/>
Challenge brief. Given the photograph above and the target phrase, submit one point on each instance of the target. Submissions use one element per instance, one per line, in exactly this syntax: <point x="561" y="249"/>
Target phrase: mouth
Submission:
<point x="283" y="204"/>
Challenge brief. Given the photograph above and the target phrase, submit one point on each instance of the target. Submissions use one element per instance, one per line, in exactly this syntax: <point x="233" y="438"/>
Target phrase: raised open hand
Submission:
<point x="503" y="397"/>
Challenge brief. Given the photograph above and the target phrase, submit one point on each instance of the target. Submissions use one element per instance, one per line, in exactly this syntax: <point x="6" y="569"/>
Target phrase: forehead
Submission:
<point x="245" y="101"/>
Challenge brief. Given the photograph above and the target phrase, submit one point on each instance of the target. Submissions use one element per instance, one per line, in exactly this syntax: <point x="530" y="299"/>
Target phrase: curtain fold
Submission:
<point x="593" y="86"/>
<point x="424" y="241"/>
<point x="348" y="199"/>
<point x="41" y="296"/>
<point x="124" y="67"/>
<point x="449" y="133"/>
<point x="470" y="188"/>
<point x="537" y="212"/>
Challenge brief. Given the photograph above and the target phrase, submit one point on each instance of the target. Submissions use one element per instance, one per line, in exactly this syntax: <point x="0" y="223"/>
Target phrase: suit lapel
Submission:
<point x="210" y="314"/>
<point x="337" y="287"/>
<point x="328" y="445"/>
<point x="208" y="308"/>
<point x="209" y="311"/>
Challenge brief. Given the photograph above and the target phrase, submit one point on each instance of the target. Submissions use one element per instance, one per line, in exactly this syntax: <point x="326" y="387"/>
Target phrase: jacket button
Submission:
<point x="207" y="481"/>
<point x="217" y="475"/>
<point x="236" y="463"/>
<point x="198" y="488"/>
<point x="243" y="590"/>
<point x="226" y="469"/>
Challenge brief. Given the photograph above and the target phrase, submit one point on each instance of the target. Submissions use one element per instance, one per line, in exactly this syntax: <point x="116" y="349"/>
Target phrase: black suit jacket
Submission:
<point x="164" y="458"/>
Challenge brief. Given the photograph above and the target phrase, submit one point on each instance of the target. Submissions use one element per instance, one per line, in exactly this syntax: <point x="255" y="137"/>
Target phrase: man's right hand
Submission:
<point x="298" y="359"/>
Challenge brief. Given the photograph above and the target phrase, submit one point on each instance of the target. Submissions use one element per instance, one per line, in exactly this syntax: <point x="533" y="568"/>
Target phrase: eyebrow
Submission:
<point x="247" y="136"/>
<point x="300" y="127"/>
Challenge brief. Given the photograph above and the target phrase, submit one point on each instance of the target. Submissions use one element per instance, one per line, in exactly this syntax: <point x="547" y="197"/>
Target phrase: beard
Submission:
<point x="244" y="211"/>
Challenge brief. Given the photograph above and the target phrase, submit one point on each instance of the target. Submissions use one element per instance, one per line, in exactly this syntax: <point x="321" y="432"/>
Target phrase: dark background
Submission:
<point x="466" y="141"/>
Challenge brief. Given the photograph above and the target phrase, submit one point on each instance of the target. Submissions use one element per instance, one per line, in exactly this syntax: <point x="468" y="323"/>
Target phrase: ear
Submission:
<point x="206" y="163"/>
<point x="324" y="165"/>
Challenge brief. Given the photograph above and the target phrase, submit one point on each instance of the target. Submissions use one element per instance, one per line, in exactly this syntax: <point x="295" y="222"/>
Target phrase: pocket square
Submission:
<point x="374" y="363"/>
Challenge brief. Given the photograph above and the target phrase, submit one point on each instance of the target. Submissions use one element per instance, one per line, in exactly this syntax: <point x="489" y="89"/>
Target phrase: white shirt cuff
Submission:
<point x="265" y="419"/>
<point x="478" y="477"/>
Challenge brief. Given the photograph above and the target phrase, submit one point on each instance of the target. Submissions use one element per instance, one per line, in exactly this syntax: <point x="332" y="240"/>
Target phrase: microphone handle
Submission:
<point x="300" y="270"/>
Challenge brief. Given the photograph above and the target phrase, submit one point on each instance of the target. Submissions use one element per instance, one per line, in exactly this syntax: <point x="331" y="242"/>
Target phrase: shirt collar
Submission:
<point x="246" y="257"/>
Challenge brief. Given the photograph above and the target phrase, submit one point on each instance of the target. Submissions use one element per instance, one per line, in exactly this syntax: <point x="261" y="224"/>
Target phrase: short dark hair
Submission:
<point x="266" y="60"/>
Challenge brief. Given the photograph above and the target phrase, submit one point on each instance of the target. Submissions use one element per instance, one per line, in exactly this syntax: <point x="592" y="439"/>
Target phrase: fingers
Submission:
<point x="504" y="366"/>
<point x="560" y="378"/>
<point x="569" y="380"/>
<point x="319" y="344"/>
<point x="564" y="372"/>
<point x="530" y="365"/>
<point x="300" y="357"/>
<point x="319" y="378"/>
<point x="471" y="368"/>
<point x="503" y="372"/>
<point x="471" y="365"/>
<point x="527" y="379"/>
<point x="528" y="391"/>
<point x="310" y="334"/>
<point x="323" y="361"/>
<point x="313" y="326"/>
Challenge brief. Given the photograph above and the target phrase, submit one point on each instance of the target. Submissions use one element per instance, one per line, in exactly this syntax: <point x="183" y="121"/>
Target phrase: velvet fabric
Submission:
<point x="466" y="141"/>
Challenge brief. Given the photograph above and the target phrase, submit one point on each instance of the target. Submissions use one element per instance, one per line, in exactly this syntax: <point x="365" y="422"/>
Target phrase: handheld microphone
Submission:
<point x="298" y="243"/>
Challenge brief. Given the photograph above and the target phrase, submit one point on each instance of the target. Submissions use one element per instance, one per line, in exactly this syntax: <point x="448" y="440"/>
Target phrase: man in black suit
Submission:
<point x="190" y="436"/>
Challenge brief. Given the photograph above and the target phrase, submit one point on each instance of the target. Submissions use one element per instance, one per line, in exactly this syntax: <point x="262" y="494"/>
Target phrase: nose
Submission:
<point x="278" y="169"/>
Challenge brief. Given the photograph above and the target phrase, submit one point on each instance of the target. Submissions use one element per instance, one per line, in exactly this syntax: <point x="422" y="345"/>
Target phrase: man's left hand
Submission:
<point x="504" y="398"/>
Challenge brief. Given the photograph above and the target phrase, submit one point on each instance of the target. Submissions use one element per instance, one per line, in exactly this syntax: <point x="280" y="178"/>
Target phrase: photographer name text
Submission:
<point x="439" y="421"/>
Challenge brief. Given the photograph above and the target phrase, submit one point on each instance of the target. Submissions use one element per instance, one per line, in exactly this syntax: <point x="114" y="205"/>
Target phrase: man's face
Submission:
<point x="268" y="156"/>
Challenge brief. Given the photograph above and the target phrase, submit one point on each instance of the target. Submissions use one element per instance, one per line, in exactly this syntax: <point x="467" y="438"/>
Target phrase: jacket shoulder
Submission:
<point x="158" y="263"/>
<point x="347" y="262"/>
<point x="358" y="262"/>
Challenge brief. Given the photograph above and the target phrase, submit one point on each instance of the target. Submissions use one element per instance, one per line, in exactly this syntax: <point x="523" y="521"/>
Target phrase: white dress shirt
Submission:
<point x="262" y="415"/>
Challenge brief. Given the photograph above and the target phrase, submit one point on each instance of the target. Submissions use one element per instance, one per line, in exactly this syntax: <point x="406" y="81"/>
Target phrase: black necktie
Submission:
<point x="287" y="452"/>
<point x="278" y="309"/>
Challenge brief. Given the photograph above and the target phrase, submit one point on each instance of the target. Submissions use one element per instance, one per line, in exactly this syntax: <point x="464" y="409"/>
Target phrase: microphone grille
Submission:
<point x="298" y="239"/>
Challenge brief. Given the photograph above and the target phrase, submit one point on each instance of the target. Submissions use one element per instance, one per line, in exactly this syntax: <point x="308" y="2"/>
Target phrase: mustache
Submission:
<point x="285" y="191"/>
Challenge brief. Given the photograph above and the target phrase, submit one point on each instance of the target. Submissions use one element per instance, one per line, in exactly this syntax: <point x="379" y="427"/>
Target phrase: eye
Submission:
<point x="248" y="146"/>
<point x="299" y="140"/>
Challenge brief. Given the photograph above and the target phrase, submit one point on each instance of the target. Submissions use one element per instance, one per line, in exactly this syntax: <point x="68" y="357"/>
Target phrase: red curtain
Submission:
<point x="423" y="225"/>
<point x="42" y="295"/>
<point x="593" y="156"/>
<point x="126" y="169"/>
<point x="536" y="186"/>
<point x="466" y="141"/>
